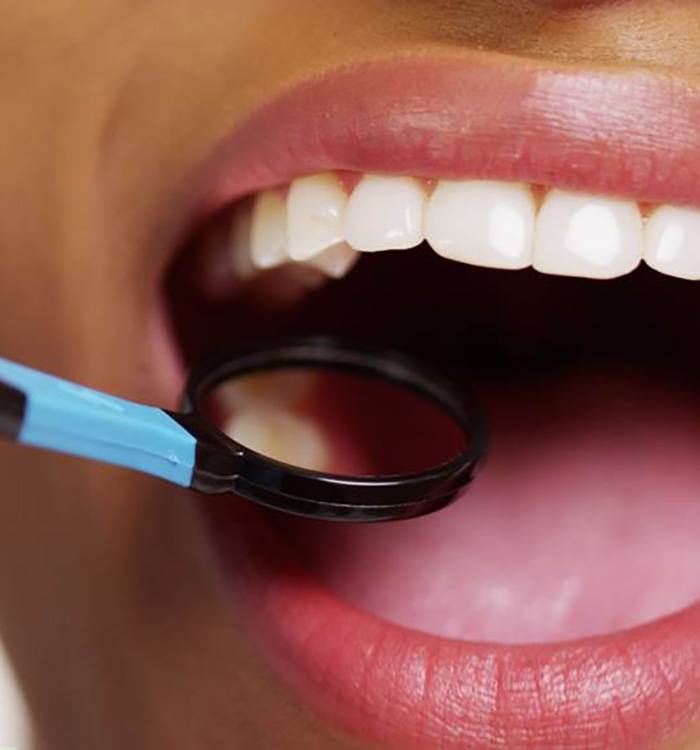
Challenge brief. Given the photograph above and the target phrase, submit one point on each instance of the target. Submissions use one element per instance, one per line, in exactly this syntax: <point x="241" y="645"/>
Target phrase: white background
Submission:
<point x="12" y="718"/>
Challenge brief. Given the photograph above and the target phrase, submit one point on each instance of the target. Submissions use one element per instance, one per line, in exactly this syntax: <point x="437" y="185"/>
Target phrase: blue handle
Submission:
<point x="58" y="415"/>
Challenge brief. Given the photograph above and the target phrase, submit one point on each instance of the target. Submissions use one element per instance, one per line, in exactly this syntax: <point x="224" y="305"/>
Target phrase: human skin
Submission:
<point x="110" y="603"/>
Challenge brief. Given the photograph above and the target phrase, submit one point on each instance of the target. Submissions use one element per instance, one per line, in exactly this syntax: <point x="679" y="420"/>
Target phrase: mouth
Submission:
<point x="534" y="232"/>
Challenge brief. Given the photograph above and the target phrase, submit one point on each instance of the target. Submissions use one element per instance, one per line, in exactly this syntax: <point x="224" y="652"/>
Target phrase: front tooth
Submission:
<point x="385" y="213"/>
<point x="673" y="241"/>
<point x="268" y="242"/>
<point x="482" y="222"/>
<point x="315" y="215"/>
<point x="587" y="235"/>
<point x="281" y="435"/>
<point x="336" y="261"/>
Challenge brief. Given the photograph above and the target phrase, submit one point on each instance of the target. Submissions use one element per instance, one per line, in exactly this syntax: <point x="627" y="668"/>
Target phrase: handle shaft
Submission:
<point x="44" y="411"/>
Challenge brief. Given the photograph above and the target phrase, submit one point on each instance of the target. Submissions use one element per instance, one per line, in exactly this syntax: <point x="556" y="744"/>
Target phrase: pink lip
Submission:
<point x="404" y="689"/>
<point x="626" y="133"/>
<point x="631" y="134"/>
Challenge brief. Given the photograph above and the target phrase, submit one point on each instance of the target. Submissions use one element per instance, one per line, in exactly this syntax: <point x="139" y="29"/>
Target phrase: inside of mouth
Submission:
<point x="586" y="518"/>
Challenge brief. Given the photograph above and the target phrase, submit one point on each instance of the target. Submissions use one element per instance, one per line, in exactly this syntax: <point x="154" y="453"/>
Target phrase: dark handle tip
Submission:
<point x="13" y="403"/>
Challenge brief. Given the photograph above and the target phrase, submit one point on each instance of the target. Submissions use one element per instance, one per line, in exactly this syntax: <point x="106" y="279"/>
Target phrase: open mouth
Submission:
<point x="555" y="603"/>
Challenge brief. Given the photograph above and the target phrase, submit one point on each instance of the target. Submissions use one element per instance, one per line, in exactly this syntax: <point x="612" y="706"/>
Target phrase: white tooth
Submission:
<point x="268" y="247"/>
<point x="587" y="235"/>
<point x="281" y="435"/>
<point x="482" y="222"/>
<point x="240" y="242"/>
<point x="315" y="215"/>
<point x="336" y="261"/>
<point x="673" y="241"/>
<point x="385" y="213"/>
<point x="270" y="388"/>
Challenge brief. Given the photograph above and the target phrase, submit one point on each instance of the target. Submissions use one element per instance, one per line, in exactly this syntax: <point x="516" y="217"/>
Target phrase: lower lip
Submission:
<point x="389" y="684"/>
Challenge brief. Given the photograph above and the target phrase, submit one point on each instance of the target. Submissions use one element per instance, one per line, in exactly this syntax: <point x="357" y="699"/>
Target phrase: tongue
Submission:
<point x="585" y="521"/>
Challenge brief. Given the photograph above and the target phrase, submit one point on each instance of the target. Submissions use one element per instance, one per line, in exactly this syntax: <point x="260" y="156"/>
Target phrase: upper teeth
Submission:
<point x="482" y="222"/>
<point x="316" y="208"/>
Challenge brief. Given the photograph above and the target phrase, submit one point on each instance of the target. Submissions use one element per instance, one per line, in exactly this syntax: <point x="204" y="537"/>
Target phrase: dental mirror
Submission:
<point x="314" y="426"/>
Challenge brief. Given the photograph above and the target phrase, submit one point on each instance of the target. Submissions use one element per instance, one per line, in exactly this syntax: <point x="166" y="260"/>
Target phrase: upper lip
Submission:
<point x="628" y="133"/>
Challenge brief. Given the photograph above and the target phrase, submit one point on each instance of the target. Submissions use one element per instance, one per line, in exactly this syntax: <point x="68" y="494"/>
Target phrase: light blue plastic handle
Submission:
<point x="69" y="418"/>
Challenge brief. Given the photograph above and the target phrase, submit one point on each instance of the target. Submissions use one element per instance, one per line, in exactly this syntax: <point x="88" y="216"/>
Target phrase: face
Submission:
<point x="154" y="189"/>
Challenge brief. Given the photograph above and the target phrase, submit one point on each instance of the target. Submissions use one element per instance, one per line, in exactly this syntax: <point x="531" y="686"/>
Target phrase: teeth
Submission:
<point x="587" y="235"/>
<point x="315" y="215"/>
<point x="281" y="435"/>
<point x="276" y="388"/>
<point x="673" y="241"/>
<point x="336" y="261"/>
<point x="309" y="221"/>
<point x="317" y="229"/>
<point x="385" y="213"/>
<point x="482" y="222"/>
<point x="239" y="242"/>
<point x="268" y="241"/>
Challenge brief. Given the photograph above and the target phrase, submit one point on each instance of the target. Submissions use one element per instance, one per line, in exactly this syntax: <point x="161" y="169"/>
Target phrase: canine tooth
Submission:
<point x="587" y="235"/>
<point x="281" y="435"/>
<point x="482" y="222"/>
<point x="240" y="243"/>
<point x="673" y="241"/>
<point x="336" y="261"/>
<point x="385" y="213"/>
<point x="268" y="243"/>
<point x="315" y="215"/>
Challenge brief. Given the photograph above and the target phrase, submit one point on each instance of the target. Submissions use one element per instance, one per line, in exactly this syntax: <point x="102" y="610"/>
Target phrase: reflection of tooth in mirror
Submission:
<point x="274" y="388"/>
<point x="336" y="421"/>
<point x="280" y="435"/>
